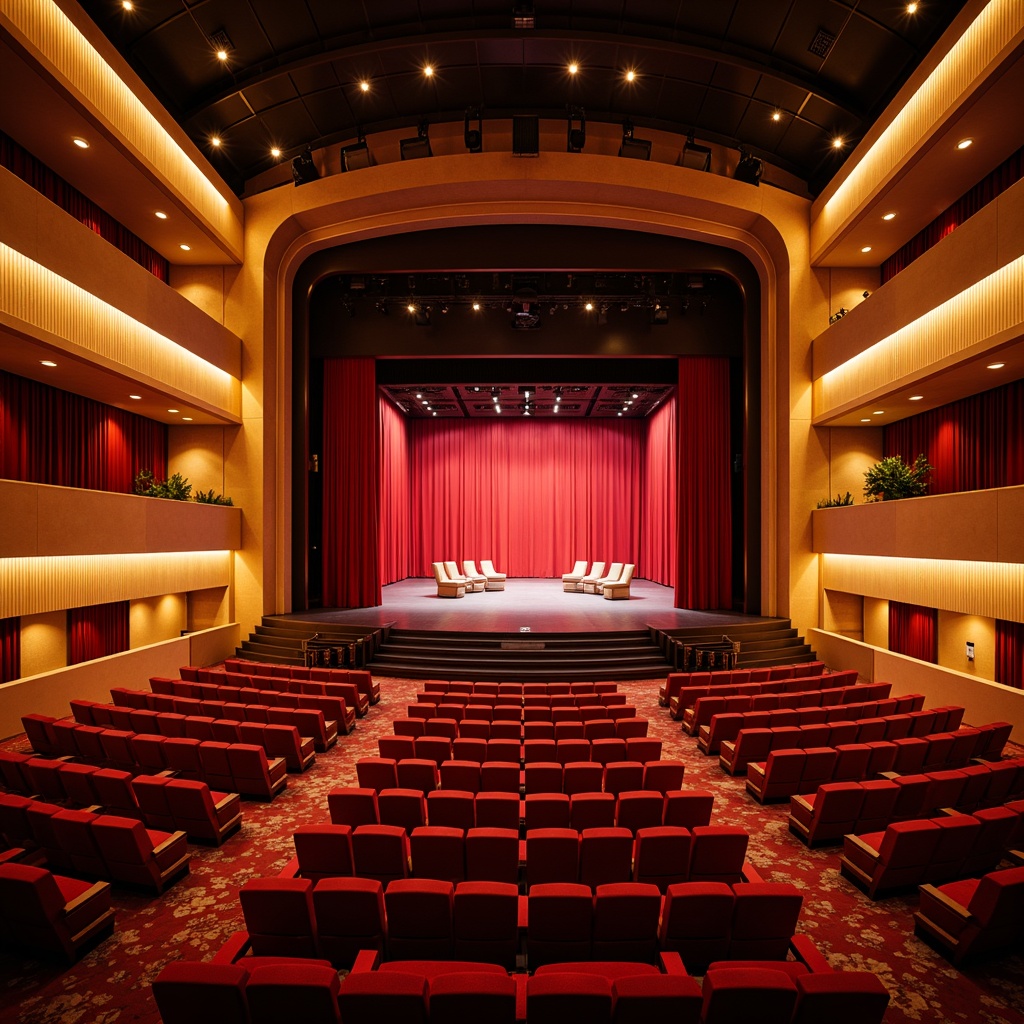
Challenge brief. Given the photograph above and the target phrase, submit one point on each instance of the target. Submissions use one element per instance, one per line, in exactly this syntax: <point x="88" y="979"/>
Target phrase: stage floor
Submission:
<point x="536" y="605"/>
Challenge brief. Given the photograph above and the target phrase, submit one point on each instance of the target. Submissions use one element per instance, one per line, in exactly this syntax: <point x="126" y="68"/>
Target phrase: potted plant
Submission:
<point x="892" y="479"/>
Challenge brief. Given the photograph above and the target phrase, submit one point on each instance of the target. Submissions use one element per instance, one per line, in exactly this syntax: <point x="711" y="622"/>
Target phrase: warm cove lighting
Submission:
<point x="160" y="215"/>
<point x="965" y="143"/>
<point x="865" y="248"/>
<point x="80" y="143"/>
<point x="916" y="398"/>
<point x="995" y="366"/>
<point x="47" y="362"/>
<point x="888" y="216"/>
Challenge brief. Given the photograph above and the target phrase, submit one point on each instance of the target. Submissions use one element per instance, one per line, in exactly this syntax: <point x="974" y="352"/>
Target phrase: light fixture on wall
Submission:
<point x="303" y="168"/>
<point x="419" y="147"/>
<point x="633" y="148"/>
<point x="749" y="169"/>
<point x="473" y="137"/>
<point x="356" y="156"/>
<point x="697" y="158"/>
<point x="575" y="135"/>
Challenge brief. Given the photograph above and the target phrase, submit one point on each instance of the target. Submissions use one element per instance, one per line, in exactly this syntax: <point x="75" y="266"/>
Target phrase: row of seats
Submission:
<point x="107" y="846"/>
<point x="932" y="850"/>
<point x="264" y="690"/>
<point x="361" y="677"/>
<point x="875" y="720"/>
<point x="517" y="689"/>
<point x="597" y="728"/>
<point x="162" y="801"/>
<point x="836" y="809"/>
<point x="453" y="992"/>
<point x="832" y="702"/>
<point x="489" y="922"/>
<point x="544" y="709"/>
<point x="912" y="753"/>
<point x="440" y="749"/>
<point x="674" y="681"/>
<point x="687" y="696"/>
<point x="316" y="732"/>
<point x="630" y="809"/>
<point x="445" y="703"/>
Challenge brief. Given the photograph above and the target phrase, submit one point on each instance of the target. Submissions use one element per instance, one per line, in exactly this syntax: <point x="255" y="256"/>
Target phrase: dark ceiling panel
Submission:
<point x="270" y="93"/>
<point x="757" y="25"/>
<point x="723" y="112"/>
<point x="864" y="59"/>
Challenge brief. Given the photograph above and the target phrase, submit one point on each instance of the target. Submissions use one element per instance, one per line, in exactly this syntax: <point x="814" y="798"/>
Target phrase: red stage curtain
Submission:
<point x="96" y="631"/>
<point x="704" y="578"/>
<point x="974" y="443"/>
<point x="531" y="495"/>
<point x="395" y="495"/>
<point x="1010" y="653"/>
<point x="998" y="181"/>
<point x="10" y="649"/>
<point x="913" y="631"/>
<point x="659" y="530"/>
<point x="35" y="173"/>
<point x="48" y="436"/>
<point x="351" y="558"/>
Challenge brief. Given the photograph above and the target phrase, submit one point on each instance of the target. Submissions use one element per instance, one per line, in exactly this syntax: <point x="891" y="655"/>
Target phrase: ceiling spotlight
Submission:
<point x="215" y="141"/>
<point x="888" y="216"/>
<point x="573" y="68"/>
<point x="866" y="420"/>
<point x="127" y="5"/>
<point x="631" y="75"/>
<point x="303" y="168"/>
<point x="589" y="307"/>
<point x="411" y="308"/>
<point x="916" y="398"/>
<point x="635" y="395"/>
<point x="965" y="143"/>
<point x="221" y="44"/>
<point x="222" y="55"/>
<point x="776" y="115"/>
<point x="476" y="307"/>
<point x="634" y="149"/>
<point x="865" y="248"/>
<point x="136" y="398"/>
<point x="912" y="8"/>
<point x="837" y="142"/>
<point x="364" y="86"/>
<point x="414" y="149"/>
<point x="576" y="134"/>
<point x="878" y="412"/>
<point x="428" y="70"/>
<point x="47" y="362"/>
<point x="473" y="137"/>
<point x="174" y="410"/>
<point x="187" y="419"/>
<point x="275" y="152"/>
<point x="160" y="215"/>
<point x="185" y="248"/>
<point x="80" y="143"/>
<point x="995" y="366"/>
<point x="696" y="157"/>
<point x="749" y="169"/>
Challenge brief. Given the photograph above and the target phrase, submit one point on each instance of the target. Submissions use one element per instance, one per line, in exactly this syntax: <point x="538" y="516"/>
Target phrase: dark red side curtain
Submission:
<point x="10" y="649"/>
<point x="704" y="578"/>
<point x="913" y="631"/>
<point x="351" y="558"/>
<point x="1010" y="653"/>
<point x="531" y="495"/>
<point x="33" y="172"/>
<point x="659" y="530"/>
<point x="48" y="436"/>
<point x="974" y="443"/>
<point x="1008" y="173"/>
<point x="96" y="631"/>
<point x="396" y="506"/>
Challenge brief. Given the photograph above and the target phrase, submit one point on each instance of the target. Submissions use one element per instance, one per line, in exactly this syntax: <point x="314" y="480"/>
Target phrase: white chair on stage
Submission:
<point x="619" y="590"/>
<point x="472" y="586"/>
<point x="477" y="578"/>
<point x="611" y="576"/>
<point x="596" y="573"/>
<point x="495" y="579"/>
<point x="446" y="586"/>
<point x="571" y="580"/>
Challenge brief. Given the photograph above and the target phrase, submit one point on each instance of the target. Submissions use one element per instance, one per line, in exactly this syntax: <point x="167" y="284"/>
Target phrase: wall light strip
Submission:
<point x="47" y="304"/>
<point x="986" y="310"/>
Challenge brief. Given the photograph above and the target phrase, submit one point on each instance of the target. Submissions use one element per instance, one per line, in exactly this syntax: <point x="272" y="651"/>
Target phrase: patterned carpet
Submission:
<point x="194" y="918"/>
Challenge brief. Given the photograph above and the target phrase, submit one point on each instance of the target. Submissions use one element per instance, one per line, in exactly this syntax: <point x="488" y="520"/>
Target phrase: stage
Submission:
<point x="526" y="604"/>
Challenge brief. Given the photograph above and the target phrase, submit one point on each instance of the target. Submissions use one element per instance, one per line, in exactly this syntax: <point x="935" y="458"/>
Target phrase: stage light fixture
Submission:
<point x="303" y="168"/>
<point x="749" y="169"/>
<point x="415" y="149"/>
<point x="357" y="156"/>
<point x="576" y="137"/>
<point x="422" y="316"/>
<point x="697" y="158"/>
<point x="633" y="148"/>
<point x="473" y="137"/>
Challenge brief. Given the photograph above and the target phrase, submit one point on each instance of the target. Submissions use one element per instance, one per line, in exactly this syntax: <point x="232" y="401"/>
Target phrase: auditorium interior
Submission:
<point x="373" y="287"/>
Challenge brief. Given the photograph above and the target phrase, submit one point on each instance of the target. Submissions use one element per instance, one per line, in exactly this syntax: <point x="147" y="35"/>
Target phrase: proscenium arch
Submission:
<point x="766" y="227"/>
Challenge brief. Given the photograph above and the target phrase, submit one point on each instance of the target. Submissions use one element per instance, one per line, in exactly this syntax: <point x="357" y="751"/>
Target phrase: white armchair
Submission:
<point x="452" y="568"/>
<point x="611" y="576"/>
<point x="446" y="586"/>
<point x="619" y="590"/>
<point x="596" y="573"/>
<point x="476" y="578"/>
<point x="571" y="580"/>
<point x="495" y="579"/>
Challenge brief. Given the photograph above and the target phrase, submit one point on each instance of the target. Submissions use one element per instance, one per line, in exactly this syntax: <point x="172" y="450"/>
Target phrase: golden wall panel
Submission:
<point x="29" y="586"/>
<point x="993" y="589"/>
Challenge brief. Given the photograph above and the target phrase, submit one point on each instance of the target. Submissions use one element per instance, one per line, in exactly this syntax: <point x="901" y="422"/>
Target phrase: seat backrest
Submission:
<point x="281" y="991"/>
<point x="840" y="997"/>
<point x="419" y="916"/>
<point x="748" y="993"/>
<point x="218" y="988"/>
<point x="349" y="915"/>
<point x="279" y="916"/>
<point x="323" y="850"/>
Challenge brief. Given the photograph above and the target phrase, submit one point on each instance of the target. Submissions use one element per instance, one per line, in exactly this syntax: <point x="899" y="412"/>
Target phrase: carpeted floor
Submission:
<point x="195" y="917"/>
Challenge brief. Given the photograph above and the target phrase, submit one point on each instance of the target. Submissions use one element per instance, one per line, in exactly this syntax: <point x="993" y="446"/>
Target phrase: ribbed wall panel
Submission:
<point x="993" y="589"/>
<point x="58" y="41"/>
<point x="31" y="586"/>
<point x="985" y="312"/>
<point x="945" y="89"/>
<point x="40" y="303"/>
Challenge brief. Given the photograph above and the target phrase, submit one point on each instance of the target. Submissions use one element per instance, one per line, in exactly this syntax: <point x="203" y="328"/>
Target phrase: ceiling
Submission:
<point x="721" y="70"/>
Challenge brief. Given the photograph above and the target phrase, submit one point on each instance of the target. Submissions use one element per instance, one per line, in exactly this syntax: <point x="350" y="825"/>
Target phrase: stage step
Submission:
<point x="520" y="657"/>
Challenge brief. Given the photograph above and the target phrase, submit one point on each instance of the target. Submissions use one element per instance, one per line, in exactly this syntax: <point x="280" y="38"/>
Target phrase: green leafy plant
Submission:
<point x="210" y="497"/>
<point x="176" y="488"/>
<point x="892" y="479"/>
<point x="839" y="499"/>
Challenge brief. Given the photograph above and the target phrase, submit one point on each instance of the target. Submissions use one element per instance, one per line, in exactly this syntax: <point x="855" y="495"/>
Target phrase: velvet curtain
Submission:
<point x="531" y="495"/>
<point x="35" y="173"/>
<point x="1006" y="174"/>
<point x="913" y="631"/>
<point x="659" y="529"/>
<point x="351" y="556"/>
<point x="974" y="443"/>
<point x="10" y="649"/>
<point x="96" y="631"/>
<point x="704" y="576"/>
<point x="396" y="506"/>
<point x="1010" y="653"/>
<point x="48" y="436"/>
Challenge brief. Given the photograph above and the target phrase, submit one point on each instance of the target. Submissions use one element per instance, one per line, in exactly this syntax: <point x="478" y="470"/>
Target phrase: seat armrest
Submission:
<point x="290" y="870"/>
<point x="801" y="800"/>
<point x="860" y="844"/>
<point x="520" y="980"/>
<point x="807" y="952"/>
<point x="234" y="949"/>
<point x="940" y="897"/>
<point x="366" y="960"/>
<point x="671" y="963"/>
<point x="750" y="873"/>
<point x="175" y="838"/>
<point x="95" y="891"/>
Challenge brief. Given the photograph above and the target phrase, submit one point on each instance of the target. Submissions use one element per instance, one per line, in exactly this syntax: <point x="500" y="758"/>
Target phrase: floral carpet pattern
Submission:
<point x="196" y="915"/>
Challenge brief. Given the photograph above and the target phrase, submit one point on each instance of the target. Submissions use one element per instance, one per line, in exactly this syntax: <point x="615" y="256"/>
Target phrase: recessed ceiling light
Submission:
<point x="620" y="413"/>
<point x="364" y="85"/>
<point x="476" y="307"/>
<point x="222" y="55"/>
<point x="187" y="419"/>
<point x="888" y="216"/>
<point x="878" y="412"/>
<point x="173" y="410"/>
<point x="916" y="398"/>
<point x="837" y="142"/>
<point x="428" y="70"/>
<point x="635" y="395"/>
<point x="275" y="152"/>
<point x="865" y="248"/>
<point x="630" y="76"/>
<point x="573" y="68"/>
<point x="589" y="306"/>
<point x="965" y="143"/>
<point x="995" y="366"/>
<point x="185" y="248"/>
<point x="127" y="5"/>
<point x="136" y="398"/>
<point x="867" y="419"/>
<point x="160" y="215"/>
<point x="776" y="115"/>
<point x="912" y="8"/>
<point x="47" y="362"/>
<point x="80" y="143"/>
<point x="215" y="141"/>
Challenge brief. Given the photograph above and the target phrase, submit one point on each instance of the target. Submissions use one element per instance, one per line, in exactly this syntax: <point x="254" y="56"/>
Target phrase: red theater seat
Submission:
<point x="419" y="917"/>
<point x="349" y="913"/>
<point x="485" y="922"/>
<point x="279" y="916"/>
